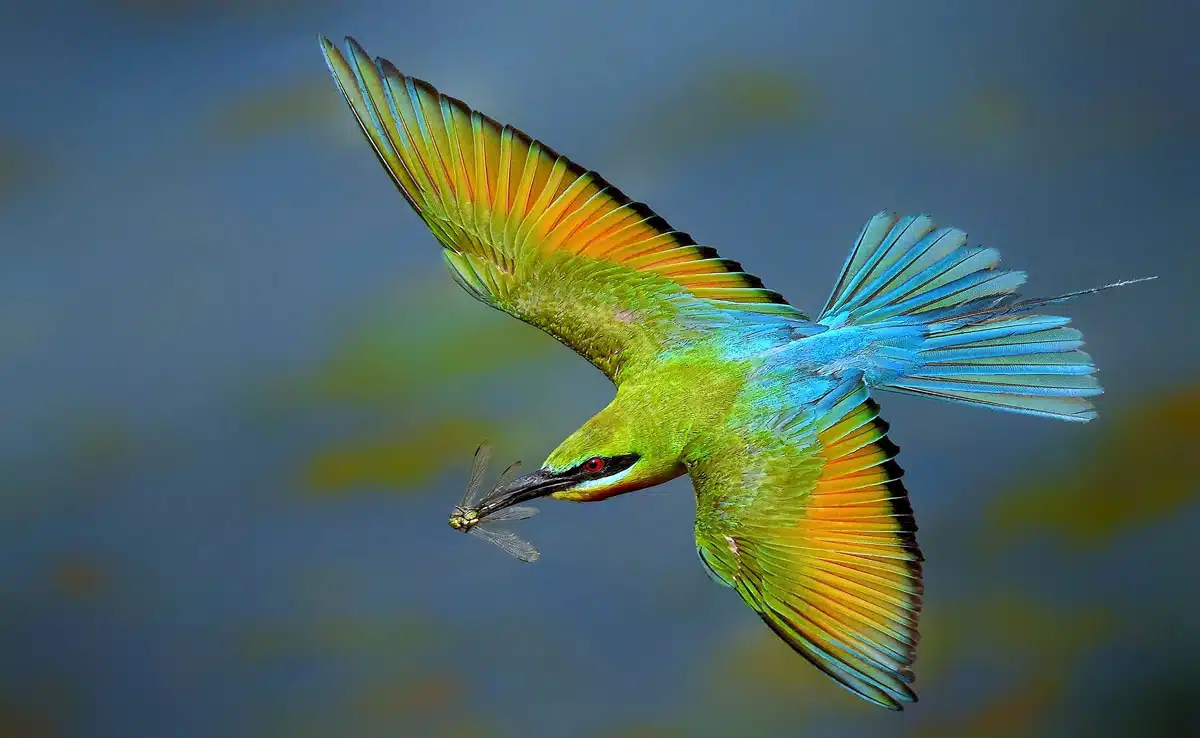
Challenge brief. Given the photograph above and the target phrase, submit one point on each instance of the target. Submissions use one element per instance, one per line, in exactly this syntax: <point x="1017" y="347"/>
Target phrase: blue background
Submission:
<point x="239" y="394"/>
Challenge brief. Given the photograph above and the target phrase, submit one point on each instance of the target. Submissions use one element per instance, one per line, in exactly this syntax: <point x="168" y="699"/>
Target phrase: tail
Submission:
<point x="978" y="344"/>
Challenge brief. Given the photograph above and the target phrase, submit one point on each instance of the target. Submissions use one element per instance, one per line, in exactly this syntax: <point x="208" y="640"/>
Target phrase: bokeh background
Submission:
<point x="238" y="392"/>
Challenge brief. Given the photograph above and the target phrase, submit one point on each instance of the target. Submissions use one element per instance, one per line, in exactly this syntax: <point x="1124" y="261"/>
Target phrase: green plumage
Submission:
<point x="800" y="507"/>
<point x="690" y="340"/>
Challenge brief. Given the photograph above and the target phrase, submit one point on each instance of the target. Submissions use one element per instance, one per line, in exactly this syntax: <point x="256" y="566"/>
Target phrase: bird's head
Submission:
<point x="617" y="451"/>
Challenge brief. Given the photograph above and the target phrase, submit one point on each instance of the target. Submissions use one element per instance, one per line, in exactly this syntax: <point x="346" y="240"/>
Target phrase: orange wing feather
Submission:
<point x="825" y="550"/>
<point x="491" y="192"/>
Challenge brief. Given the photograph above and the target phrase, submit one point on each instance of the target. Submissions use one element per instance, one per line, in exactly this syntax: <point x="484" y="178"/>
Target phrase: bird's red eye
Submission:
<point x="593" y="464"/>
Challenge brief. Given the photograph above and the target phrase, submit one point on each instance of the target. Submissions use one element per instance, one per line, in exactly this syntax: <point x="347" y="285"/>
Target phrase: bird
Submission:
<point x="800" y="504"/>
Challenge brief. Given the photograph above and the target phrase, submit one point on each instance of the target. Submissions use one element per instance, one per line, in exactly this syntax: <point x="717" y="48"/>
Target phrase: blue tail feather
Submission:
<point x="978" y="345"/>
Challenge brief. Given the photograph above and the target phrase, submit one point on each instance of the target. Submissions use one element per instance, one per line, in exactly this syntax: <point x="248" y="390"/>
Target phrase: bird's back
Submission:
<point x="731" y="380"/>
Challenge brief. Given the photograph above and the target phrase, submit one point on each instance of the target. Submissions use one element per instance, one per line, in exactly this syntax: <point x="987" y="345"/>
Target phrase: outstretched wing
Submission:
<point x="808" y="521"/>
<point x="529" y="231"/>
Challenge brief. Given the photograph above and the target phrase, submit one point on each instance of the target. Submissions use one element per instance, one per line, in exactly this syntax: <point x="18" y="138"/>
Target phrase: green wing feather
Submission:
<point x="529" y="231"/>
<point x="810" y="524"/>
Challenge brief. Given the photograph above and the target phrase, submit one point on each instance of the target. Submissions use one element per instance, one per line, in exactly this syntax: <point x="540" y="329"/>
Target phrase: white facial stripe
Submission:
<point x="603" y="481"/>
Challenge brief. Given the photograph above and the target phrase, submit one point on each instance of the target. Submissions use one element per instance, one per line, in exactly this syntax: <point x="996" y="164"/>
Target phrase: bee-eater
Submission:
<point x="800" y="507"/>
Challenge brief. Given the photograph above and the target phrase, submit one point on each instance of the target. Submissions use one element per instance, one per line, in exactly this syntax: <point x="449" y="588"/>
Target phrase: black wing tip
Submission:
<point x="386" y="68"/>
<point x="910" y="698"/>
<point x="643" y="210"/>
<point x="902" y="508"/>
<point x="903" y="514"/>
<point x="896" y="704"/>
<point x="755" y="283"/>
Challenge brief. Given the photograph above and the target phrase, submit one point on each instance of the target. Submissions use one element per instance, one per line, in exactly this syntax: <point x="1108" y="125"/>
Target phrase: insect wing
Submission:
<point x="507" y="475"/>
<point x="517" y="512"/>
<point x="507" y="541"/>
<point x="501" y="485"/>
<point x="483" y="455"/>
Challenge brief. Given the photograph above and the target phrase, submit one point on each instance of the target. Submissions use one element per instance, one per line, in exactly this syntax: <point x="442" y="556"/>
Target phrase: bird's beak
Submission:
<point x="531" y="486"/>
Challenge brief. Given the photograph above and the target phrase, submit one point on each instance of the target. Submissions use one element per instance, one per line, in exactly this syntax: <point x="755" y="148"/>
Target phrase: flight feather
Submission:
<point x="530" y="232"/>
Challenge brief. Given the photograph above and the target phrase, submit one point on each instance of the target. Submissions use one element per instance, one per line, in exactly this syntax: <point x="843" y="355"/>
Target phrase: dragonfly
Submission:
<point x="477" y="514"/>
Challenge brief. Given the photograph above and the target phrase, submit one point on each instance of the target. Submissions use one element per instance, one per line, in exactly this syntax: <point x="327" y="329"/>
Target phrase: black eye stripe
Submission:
<point x="612" y="465"/>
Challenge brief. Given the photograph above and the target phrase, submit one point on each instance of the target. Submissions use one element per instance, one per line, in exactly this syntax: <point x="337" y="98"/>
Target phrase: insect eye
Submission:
<point x="593" y="465"/>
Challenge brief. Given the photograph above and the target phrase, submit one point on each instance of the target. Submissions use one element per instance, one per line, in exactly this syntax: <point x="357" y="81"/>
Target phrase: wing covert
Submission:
<point x="529" y="231"/>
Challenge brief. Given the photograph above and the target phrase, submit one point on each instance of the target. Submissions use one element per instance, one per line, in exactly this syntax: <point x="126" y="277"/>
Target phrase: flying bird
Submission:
<point x="800" y="508"/>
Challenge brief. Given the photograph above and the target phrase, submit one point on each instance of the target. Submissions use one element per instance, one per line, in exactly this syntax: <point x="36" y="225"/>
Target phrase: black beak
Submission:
<point x="526" y="487"/>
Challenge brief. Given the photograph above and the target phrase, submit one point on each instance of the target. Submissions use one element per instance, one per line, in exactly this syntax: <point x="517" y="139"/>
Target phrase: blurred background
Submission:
<point x="239" y="393"/>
